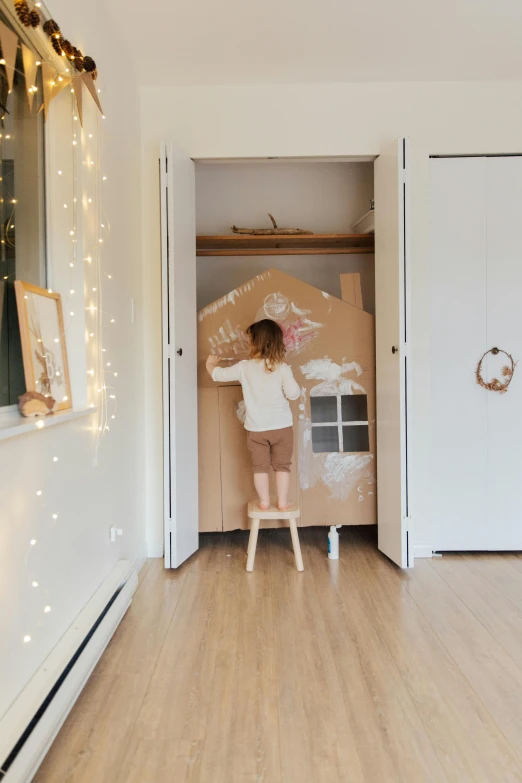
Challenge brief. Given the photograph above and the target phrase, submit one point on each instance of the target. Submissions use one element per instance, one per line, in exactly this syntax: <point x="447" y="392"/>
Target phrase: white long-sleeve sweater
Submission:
<point x="266" y="394"/>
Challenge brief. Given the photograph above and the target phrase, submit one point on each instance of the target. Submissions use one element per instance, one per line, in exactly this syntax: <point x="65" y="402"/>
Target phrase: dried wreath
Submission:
<point x="507" y="372"/>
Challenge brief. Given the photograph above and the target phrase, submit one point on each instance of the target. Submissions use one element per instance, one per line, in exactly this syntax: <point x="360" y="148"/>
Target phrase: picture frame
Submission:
<point x="44" y="348"/>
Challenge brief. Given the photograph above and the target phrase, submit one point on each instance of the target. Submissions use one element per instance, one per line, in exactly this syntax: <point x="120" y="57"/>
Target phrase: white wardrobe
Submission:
<point x="476" y="305"/>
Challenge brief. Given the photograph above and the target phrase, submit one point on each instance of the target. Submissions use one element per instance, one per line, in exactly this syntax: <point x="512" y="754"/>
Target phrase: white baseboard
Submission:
<point x="423" y="550"/>
<point x="20" y="715"/>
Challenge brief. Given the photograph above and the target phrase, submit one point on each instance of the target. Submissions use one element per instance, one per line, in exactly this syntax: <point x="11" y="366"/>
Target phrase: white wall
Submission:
<point x="72" y="554"/>
<point x="320" y="197"/>
<point x="317" y="120"/>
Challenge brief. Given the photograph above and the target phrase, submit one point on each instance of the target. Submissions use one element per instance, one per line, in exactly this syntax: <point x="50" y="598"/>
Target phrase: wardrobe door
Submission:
<point x="393" y="367"/>
<point x="459" y="407"/>
<point x="504" y="331"/>
<point x="180" y="416"/>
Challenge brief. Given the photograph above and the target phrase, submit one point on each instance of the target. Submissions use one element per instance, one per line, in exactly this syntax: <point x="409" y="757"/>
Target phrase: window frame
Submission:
<point x="338" y="423"/>
<point x="10" y="417"/>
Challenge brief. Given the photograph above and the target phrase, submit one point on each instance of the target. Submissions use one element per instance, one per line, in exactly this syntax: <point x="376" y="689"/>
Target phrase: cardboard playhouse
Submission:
<point x="331" y="349"/>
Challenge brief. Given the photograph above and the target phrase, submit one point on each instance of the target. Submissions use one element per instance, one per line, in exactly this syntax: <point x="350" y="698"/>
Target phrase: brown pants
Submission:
<point x="273" y="447"/>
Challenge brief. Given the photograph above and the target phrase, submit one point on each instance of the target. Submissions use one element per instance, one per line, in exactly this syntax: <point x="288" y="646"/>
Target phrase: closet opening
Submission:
<point x="319" y="285"/>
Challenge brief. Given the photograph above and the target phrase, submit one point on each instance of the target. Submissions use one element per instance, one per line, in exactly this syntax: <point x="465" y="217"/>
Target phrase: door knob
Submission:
<point x="180" y="351"/>
<point x="395" y="350"/>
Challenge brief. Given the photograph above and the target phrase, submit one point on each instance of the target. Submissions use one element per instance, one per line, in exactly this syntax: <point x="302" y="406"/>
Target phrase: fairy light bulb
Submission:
<point x="27" y="639"/>
<point x="33" y="541"/>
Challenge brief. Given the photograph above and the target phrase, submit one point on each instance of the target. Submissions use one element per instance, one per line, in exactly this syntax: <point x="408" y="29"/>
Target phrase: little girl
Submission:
<point x="268" y="384"/>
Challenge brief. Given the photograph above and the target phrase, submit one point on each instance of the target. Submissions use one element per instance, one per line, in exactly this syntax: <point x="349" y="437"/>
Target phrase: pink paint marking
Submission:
<point x="297" y="335"/>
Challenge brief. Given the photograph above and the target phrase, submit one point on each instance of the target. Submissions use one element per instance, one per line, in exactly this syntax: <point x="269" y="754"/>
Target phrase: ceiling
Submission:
<point x="206" y="42"/>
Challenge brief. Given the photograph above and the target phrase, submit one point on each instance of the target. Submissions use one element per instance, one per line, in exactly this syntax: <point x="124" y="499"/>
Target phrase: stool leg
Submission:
<point x="297" y="546"/>
<point x="252" y="543"/>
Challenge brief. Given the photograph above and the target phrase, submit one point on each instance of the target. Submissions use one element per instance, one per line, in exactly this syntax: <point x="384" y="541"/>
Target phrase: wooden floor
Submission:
<point x="350" y="671"/>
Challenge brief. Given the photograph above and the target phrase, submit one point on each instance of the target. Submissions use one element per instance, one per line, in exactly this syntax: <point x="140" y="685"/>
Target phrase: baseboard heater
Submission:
<point x="29" y="727"/>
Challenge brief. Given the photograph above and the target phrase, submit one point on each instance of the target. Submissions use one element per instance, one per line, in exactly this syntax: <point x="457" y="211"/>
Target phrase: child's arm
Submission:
<point x="222" y="374"/>
<point x="212" y="363"/>
<point x="290" y="385"/>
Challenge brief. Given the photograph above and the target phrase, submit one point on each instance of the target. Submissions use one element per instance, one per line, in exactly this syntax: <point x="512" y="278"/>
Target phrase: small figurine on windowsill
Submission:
<point x="32" y="404"/>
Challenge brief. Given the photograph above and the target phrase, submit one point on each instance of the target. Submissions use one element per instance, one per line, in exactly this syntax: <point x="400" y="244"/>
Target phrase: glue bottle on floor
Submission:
<point x="333" y="543"/>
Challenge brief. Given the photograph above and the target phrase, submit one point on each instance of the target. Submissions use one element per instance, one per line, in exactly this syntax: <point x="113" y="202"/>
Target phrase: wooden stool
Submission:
<point x="256" y="515"/>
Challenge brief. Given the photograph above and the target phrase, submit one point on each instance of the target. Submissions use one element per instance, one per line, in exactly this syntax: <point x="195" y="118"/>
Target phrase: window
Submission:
<point x="340" y="423"/>
<point x="22" y="217"/>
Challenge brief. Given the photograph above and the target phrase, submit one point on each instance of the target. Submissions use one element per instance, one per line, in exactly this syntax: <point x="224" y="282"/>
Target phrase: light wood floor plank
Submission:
<point x="517" y="561"/>
<point x="167" y="741"/>
<point x="468" y="742"/>
<point x="145" y="568"/>
<point x="392" y="741"/>
<point x="91" y="745"/>
<point x="317" y="741"/>
<point x="501" y="572"/>
<point x="492" y="673"/>
<point x="350" y="672"/>
<point x="242" y="734"/>
<point x="497" y="613"/>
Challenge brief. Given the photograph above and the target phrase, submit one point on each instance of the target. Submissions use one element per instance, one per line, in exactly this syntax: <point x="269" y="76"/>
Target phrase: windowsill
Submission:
<point x="12" y="423"/>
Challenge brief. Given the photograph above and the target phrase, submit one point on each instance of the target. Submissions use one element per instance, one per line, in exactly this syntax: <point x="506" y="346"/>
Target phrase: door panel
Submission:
<point x="392" y="358"/>
<point x="476" y="242"/>
<point x="504" y="330"/>
<point x="178" y="231"/>
<point x="458" y="340"/>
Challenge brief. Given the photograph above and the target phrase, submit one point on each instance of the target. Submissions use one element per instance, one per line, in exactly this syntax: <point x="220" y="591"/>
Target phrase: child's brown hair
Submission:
<point x="267" y="342"/>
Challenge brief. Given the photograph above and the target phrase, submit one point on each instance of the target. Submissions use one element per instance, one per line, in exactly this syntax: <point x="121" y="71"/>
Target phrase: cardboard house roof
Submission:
<point x="315" y="323"/>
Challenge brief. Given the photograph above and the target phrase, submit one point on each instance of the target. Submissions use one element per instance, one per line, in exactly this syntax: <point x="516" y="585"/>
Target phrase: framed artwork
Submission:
<point x="44" y="350"/>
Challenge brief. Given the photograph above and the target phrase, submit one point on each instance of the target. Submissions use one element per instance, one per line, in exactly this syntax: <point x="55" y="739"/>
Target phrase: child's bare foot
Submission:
<point x="263" y="506"/>
<point x="283" y="506"/>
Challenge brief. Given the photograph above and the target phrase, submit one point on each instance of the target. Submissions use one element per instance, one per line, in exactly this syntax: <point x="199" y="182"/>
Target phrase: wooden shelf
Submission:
<point x="284" y="245"/>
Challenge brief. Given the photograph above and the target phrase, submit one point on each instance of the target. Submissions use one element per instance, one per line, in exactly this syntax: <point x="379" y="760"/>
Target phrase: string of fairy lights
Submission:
<point x="83" y="182"/>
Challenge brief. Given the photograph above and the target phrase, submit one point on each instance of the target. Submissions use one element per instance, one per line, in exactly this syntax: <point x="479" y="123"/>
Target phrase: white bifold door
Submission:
<point x="393" y="365"/>
<point x="180" y="423"/>
<point x="178" y="231"/>
<point x="476" y="289"/>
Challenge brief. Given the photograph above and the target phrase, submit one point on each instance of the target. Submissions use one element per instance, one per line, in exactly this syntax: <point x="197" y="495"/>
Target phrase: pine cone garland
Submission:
<point x="67" y="47"/>
<point x="89" y="64"/>
<point x="56" y="43"/>
<point x="77" y="59"/>
<point x="50" y="27"/>
<point x="35" y="18"/>
<point x="61" y="45"/>
<point x="24" y="14"/>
